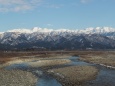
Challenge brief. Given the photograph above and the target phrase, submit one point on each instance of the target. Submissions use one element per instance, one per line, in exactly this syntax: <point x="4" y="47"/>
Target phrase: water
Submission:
<point x="47" y="80"/>
<point x="22" y="66"/>
<point x="75" y="61"/>
<point x="105" y="76"/>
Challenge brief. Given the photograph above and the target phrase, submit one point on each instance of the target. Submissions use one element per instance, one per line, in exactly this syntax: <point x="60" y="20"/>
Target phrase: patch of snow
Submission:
<point x="89" y="30"/>
<point x="37" y="29"/>
<point x="20" y="30"/>
<point x="1" y="32"/>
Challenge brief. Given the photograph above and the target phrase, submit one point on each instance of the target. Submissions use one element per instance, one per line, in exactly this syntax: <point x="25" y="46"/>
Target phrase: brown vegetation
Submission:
<point x="75" y="75"/>
<point x="106" y="58"/>
<point x="47" y="63"/>
<point x="8" y="56"/>
<point x="68" y="76"/>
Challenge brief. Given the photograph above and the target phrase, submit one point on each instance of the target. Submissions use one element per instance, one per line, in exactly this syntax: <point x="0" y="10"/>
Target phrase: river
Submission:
<point x="105" y="77"/>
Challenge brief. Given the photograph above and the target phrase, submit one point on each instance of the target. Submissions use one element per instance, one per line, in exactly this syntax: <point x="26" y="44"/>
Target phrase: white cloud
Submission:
<point x="85" y="1"/>
<point x="18" y="5"/>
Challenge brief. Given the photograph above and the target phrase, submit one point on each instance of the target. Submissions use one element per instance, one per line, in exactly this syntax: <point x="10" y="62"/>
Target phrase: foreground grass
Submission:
<point x="75" y="75"/>
<point x="16" y="78"/>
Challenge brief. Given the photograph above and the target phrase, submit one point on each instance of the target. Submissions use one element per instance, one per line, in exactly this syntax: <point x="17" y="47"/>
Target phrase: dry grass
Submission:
<point x="44" y="63"/>
<point x="4" y="60"/>
<point x="16" y="78"/>
<point x="69" y="76"/>
<point x="75" y="75"/>
<point x="15" y="61"/>
<point x="106" y="58"/>
<point x="38" y="61"/>
<point x="8" y="56"/>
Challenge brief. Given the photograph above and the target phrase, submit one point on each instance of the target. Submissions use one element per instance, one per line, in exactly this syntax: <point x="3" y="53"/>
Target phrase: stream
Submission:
<point x="105" y="77"/>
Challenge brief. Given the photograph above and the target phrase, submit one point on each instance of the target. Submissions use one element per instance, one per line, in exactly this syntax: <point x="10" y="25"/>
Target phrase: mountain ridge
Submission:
<point x="87" y="30"/>
<point x="63" y="39"/>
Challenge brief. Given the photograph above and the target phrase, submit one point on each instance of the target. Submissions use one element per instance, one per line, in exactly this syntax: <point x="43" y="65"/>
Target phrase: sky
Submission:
<point x="56" y="14"/>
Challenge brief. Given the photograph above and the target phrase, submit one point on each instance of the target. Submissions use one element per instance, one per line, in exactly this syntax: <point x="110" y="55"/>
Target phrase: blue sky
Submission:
<point x="56" y="14"/>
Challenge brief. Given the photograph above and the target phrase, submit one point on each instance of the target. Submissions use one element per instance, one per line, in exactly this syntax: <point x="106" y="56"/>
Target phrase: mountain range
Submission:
<point x="61" y="39"/>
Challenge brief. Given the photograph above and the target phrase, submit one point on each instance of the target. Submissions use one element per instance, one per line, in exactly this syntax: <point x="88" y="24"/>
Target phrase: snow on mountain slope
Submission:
<point x="86" y="31"/>
<point x="96" y="38"/>
<point x="20" y="30"/>
<point x="1" y="35"/>
<point x="1" y="32"/>
<point x="99" y="30"/>
<point x="35" y="29"/>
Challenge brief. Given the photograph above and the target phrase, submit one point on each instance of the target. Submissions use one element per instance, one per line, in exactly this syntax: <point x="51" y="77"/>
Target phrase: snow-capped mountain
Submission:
<point x="99" y="30"/>
<point x="91" y="30"/>
<point x="89" y="38"/>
